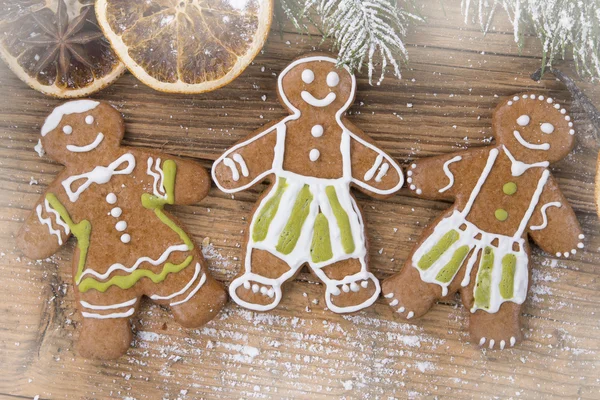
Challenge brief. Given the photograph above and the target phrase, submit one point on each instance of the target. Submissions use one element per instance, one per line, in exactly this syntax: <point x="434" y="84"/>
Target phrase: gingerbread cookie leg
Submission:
<point x="106" y="330"/>
<point x="408" y="294"/>
<point x="197" y="297"/>
<point x="105" y="339"/>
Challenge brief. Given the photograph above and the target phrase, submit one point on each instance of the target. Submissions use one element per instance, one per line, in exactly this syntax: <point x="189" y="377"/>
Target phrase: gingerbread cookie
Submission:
<point x="112" y="199"/>
<point x="502" y="195"/>
<point x="308" y="216"/>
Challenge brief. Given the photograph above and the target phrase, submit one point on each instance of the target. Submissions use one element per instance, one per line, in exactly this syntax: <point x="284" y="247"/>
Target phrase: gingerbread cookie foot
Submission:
<point x="104" y="339"/>
<point x="200" y="305"/>
<point x="352" y="293"/>
<point x="496" y="330"/>
<point x="408" y="295"/>
<point x="255" y="292"/>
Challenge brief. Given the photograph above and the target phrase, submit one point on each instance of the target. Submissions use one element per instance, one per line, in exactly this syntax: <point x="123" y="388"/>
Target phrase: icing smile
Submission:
<point x="87" y="147"/>
<point x="313" y="101"/>
<point x="543" y="146"/>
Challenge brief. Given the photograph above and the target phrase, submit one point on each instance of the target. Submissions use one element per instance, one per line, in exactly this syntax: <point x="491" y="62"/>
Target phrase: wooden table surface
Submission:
<point x="455" y="77"/>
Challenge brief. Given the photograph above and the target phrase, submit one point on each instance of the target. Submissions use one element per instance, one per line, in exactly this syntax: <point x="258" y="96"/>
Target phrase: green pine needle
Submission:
<point x="559" y="24"/>
<point x="363" y="32"/>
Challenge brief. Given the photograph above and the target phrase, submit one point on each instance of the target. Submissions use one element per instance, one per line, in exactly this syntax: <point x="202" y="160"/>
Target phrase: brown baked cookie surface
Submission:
<point x="503" y="195"/>
<point x="112" y="199"/>
<point x="308" y="216"/>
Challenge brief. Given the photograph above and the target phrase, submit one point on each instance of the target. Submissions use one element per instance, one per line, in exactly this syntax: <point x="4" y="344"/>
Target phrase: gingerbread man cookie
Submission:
<point x="308" y="215"/>
<point x="112" y="199"/>
<point x="502" y="195"/>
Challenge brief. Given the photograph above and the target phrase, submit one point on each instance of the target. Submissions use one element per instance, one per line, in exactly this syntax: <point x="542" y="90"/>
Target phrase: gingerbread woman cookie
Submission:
<point x="112" y="199"/>
<point x="308" y="215"/>
<point x="502" y="195"/>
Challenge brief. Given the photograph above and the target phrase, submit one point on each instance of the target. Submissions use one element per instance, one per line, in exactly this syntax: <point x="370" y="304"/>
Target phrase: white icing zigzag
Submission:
<point x="158" y="188"/>
<point x="48" y="222"/>
<point x="121" y="267"/>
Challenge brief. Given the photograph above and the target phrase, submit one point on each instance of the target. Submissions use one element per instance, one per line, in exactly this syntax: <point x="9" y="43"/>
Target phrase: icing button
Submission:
<point x="116" y="212"/>
<point x="111" y="198"/>
<point x="509" y="188"/>
<point x="317" y="131"/>
<point x="125" y="238"/>
<point x="314" y="155"/>
<point x="121" y="226"/>
<point x="501" y="214"/>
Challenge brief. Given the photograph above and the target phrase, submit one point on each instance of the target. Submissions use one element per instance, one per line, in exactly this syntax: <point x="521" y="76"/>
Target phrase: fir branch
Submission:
<point x="559" y="24"/>
<point x="363" y="32"/>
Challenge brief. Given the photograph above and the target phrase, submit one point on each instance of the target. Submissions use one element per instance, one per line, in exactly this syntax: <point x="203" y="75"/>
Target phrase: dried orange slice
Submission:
<point x="57" y="48"/>
<point x="185" y="46"/>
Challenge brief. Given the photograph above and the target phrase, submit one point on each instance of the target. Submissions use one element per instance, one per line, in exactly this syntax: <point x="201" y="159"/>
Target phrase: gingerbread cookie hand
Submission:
<point x="502" y="195"/>
<point x="112" y="199"/>
<point x="308" y="215"/>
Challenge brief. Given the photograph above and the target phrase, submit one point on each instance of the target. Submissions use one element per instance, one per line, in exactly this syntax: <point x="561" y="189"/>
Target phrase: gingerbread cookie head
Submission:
<point x="534" y="128"/>
<point x="314" y="84"/>
<point x="80" y="129"/>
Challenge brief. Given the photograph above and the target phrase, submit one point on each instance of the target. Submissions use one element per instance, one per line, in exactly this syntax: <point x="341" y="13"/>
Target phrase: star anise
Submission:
<point x="63" y="39"/>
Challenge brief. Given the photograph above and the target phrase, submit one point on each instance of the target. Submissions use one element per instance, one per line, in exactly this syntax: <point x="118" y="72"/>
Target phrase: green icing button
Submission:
<point x="509" y="188"/>
<point x="501" y="214"/>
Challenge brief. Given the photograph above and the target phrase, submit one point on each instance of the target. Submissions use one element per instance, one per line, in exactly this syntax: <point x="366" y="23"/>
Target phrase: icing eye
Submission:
<point x="333" y="79"/>
<point x="547" y="127"/>
<point x="523" y="120"/>
<point x="89" y="120"/>
<point x="308" y="76"/>
<point x="67" y="129"/>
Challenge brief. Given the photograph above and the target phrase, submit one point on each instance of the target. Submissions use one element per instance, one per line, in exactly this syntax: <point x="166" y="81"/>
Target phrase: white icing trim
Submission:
<point x="313" y="101"/>
<point x="449" y="173"/>
<point x="87" y="147"/>
<point x="240" y="160"/>
<point x="121" y="267"/>
<point x="543" y="146"/>
<point x="371" y="172"/>
<point x="48" y="222"/>
<point x="533" y="203"/>
<point x="544" y="216"/>
<point x="99" y="175"/>
<point x="518" y="168"/>
<point x="57" y="216"/>
<point x="158" y="187"/>
<point x="192" y="293"/>
<point x="72" y="107"/>
<point x="128" y="313"/>
<point x="110" y="306"/>
<point x="182" y="291"/>
<point x="235" y="175"/>
<point x="382" y="172"/>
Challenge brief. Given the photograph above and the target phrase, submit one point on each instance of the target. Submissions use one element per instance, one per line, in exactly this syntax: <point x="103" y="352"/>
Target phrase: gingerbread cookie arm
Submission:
<point x="443" y="177"/>
<point x="553" y="225"/>
<point x="250" y="161"/>
<point x="45" y="230"/>
<point x="373" y="171"/>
